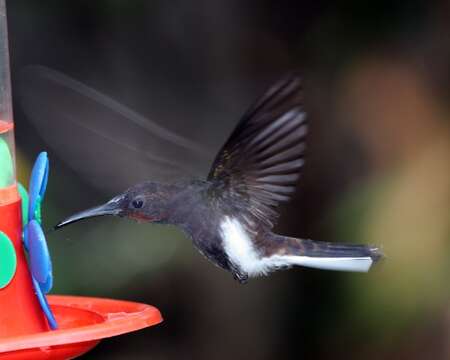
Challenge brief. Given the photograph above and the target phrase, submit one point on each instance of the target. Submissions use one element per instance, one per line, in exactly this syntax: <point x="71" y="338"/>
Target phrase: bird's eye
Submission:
<point x="137" y="203"/>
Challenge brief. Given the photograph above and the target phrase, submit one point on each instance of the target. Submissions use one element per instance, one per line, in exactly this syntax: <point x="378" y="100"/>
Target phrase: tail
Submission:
<point x="327" y="256"/>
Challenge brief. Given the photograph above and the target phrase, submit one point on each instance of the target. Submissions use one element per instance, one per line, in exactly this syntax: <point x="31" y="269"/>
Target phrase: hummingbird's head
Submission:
<point x="143" y="202"/>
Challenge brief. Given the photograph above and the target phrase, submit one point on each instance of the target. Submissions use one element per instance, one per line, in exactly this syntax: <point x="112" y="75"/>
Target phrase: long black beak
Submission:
<point x="110" y="208"/>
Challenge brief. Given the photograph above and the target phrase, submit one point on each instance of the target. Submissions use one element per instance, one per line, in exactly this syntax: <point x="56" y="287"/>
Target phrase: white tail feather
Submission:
<point x="356" y="264"/>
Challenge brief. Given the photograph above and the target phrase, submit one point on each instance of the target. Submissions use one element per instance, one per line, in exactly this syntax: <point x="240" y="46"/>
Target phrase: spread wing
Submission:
<point x="109" y="145"/>
<point x="261" y="161"/>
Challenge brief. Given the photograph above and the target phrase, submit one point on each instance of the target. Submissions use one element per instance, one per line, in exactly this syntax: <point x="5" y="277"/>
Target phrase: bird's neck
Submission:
<point x="188" y="205"/>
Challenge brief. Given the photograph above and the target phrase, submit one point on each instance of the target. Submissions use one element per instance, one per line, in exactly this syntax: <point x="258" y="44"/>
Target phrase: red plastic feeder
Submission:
<point x="83" y="322"/>
<point x="24" y="330"/>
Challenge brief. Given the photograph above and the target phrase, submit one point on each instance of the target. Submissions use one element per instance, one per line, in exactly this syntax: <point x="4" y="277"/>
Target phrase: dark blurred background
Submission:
<point x="377" y="87"/>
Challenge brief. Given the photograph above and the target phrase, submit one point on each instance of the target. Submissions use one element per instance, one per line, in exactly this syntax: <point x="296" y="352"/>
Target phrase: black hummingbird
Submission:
<point x="230" y="215"/>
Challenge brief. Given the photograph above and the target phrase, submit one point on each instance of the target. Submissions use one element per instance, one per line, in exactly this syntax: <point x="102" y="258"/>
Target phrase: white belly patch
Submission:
<point x="240" y="249"/>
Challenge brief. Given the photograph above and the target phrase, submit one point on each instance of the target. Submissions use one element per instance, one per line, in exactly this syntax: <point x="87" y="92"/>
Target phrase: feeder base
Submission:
<point x="83" y="322"/>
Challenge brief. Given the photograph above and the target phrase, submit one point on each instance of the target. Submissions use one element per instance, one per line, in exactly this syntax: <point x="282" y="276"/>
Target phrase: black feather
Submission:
<point x="261" y="161"/>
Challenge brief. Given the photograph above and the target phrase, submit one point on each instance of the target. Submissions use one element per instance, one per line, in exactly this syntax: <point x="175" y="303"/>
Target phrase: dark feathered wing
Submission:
<point x="262" y="159"/>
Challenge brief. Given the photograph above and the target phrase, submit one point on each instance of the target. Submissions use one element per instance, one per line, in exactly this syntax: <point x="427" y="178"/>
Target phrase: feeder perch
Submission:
<point x="34" y="325"/>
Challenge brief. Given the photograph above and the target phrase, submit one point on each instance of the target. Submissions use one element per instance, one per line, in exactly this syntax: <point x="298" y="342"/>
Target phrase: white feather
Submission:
<point x="240" y="249"/>
<point x="242" y="253"/>
<point x="355" y="264"/>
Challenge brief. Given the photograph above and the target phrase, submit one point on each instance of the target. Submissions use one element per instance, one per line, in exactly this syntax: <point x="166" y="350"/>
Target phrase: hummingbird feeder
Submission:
<point x="34" y="325"/>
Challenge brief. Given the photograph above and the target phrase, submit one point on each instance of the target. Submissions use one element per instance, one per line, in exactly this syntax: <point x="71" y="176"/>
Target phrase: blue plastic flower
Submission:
<point x="38" y="184"/>
<point x="39" y="263"/>
<point x="45" y="307"/>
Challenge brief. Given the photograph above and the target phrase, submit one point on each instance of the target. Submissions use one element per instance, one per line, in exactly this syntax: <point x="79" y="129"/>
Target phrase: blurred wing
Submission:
<point x="261" y="160"/>
<point x="108" y="144"/>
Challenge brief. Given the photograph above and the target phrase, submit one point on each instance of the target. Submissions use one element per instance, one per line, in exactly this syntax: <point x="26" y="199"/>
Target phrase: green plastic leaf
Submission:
<point x="8" y="260"/>
<point x="24" y="196"/>
<point x="6" y="165"/>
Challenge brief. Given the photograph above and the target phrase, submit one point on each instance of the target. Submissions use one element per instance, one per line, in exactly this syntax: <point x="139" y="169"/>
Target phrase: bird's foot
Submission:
<point x="242" y="278"/>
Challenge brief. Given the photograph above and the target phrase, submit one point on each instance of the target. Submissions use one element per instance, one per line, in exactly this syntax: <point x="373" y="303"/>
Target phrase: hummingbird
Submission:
<point x="230" y="215"/>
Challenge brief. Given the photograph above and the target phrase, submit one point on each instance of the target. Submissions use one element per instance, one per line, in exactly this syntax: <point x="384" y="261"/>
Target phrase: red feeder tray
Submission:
<point x="83" y="322"/>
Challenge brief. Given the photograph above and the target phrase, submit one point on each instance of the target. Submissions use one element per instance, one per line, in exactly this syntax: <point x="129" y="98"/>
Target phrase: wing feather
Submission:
<point x="261" y="161"/>
<point x="100" y="138"/>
